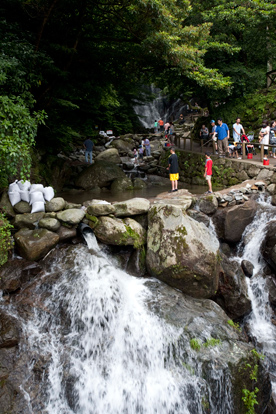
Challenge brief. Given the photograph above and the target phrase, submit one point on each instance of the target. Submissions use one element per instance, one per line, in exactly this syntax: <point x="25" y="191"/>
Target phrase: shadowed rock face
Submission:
<point x="100" y="174"/>
<point x="182" y="252"/>
<point x="231" y="223"/>
<point x="268" y="246"/>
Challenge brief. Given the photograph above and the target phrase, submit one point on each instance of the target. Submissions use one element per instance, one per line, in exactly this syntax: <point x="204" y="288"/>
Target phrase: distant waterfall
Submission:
<point x="160" y="108"/>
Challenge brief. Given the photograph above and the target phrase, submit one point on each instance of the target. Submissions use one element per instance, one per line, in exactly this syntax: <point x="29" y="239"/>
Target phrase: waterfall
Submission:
<point x="259" y="320"/>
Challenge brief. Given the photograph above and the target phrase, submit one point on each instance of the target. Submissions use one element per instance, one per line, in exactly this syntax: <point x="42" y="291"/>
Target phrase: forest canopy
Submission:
<point x="85" y="62"/>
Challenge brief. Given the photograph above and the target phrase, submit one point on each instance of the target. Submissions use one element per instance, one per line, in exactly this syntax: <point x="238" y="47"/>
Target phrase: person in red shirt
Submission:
<point x="161" y="125"/>
<point x="208" y="171"/>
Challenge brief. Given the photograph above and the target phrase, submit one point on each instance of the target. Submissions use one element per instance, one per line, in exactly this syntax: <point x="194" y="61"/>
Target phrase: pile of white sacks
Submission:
<point x="34" y="194"/>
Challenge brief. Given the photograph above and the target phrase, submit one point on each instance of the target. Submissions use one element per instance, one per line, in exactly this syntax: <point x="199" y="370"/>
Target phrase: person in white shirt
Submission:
<point x="238" y="130"/>
<point x="264" y="137"/>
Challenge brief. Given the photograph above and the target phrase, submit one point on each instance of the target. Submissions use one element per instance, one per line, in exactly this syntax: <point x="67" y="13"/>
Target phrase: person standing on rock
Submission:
<point x="161" y="125"/>
<point x="208" y="171"/>
<point x="155" y="126"/>
<point x="88" y="145"/>
<point x="167" y="126"/>
<point x="147" y="146"/>
<point x="173" y="170"/>
<point x="223" y="136"/>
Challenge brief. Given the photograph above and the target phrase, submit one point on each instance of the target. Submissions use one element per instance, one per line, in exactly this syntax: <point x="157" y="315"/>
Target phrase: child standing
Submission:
<point x="135" y="156"/>
<point x="141" y="153"/>
<point x="208" y="171"/>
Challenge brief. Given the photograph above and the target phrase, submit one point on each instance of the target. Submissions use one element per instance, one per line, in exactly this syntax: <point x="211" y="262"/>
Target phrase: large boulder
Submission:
<point x="132" y="207"/>
<point x="139" y="184"/>
<point x="268" y="246"/>
<point x="109" y="155"/>
<point x="35" y="244"/>
<point x="56" y="204"/>
<point x="182" y="252"/>
<point x="71" y="216"/>
<point x="208" y="204"/>
<point x="120" y="232"/>
<point x="232" y="294"/>
<point x="27" y="220"/>
<point x="123" y="146"/>
<point x="100" y="174"/>
<point x="231" y="222"/>
<point x="66" y="234"/>
<point x="121" y="184"/>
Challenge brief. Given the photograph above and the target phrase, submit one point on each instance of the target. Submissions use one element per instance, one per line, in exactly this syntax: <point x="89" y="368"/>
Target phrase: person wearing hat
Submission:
<point x="214" y="134"/>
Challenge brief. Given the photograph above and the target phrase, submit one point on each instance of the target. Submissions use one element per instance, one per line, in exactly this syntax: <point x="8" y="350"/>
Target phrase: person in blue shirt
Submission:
<point x="222" y="131"/>
<point x="88" y="145"/>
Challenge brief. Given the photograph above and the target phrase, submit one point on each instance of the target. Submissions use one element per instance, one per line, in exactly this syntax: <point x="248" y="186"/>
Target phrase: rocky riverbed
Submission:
<point x="188" y="242"/>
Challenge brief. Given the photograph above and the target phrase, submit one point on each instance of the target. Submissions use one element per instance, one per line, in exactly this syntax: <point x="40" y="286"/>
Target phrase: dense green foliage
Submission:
<point x="5" y="238"/>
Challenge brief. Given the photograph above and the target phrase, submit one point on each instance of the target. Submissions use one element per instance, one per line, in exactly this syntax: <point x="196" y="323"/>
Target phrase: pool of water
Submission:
<point x="148" y="192"/>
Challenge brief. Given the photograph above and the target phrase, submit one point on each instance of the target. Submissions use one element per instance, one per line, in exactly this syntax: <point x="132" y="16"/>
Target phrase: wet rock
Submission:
<point x="138" y="184"/>
<point x="66" y="234"/>
<point x="56" y="204"/>
<point x="35" y="244"/>
<point x="142" y="219"/>
<point x="268" y="245"/>
<point x="15" y="272"/>
<point x="6" y="206"/>
<point x="9" y="330"/>
<point x="225" y="249"/>
<point x="22" y="207"/>
<point x="131" y="207"/>
<point x="121" y="184"/>
<point x="232" y="294"/>
<point x="273" y="200"/>
<point x="71" y="205"/>
<point x="208" y="204"/>
<point x="48" y="223"/>
<point x="72" y="216"/>
<point x="271" y="284"/>
<point x="137" y="262"/>
<point x="199" y="216"/>
<point x="231" y="222"/>
<point x="120" y="232"/>
<point x="100" y="174"/>
<point x="110" y="155"/>
<point x="253" y="171"/>
<point x="178" y="253"/>
<point x="247" y="267"/>
<point x="271" y="188"/>
<point x="27" y="220"/>
<point x="97" y="208"/>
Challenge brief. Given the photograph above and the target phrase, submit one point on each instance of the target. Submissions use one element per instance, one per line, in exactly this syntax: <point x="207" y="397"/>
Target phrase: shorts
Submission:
<point x="208" y="177"/>
<point x="174" y="177"/>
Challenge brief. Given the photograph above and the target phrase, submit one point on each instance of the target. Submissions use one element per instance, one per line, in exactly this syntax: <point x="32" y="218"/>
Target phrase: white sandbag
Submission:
<point x="48" y="193"/>
<point x="25" y="196"/>
<point x="24" y="185"/>
<point x="38" y="206"/>
<point x="36" y="187"/>
<point x="36" y="196"/>
<point x="14" y="197"/>
<point x="13" y="187"/>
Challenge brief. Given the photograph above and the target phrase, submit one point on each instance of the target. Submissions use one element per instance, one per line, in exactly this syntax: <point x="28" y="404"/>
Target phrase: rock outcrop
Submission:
<point x="100" y="174"/>
<point x="182" y="252"/>
<point x="35" y="244"/>
<point x="131" y="207"/>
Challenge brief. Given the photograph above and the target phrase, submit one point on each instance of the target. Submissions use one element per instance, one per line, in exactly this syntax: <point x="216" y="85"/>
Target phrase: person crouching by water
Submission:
<point x="208" y="171"/>
<point x="173" y="170"/>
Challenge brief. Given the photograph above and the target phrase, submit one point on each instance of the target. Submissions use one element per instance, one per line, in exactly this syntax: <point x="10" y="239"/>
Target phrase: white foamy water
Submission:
<point x="117" y="355"/>
<point x="259" y="321"/>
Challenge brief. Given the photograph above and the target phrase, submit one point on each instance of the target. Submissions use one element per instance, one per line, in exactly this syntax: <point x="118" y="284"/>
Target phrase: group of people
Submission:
<point x="220" y="134"/>
<point x="168" y="127"/>
<point x="144" y="147"/>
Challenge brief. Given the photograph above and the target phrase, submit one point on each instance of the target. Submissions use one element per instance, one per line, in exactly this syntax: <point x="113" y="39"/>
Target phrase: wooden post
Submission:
<point x="191" y="141"/>
<point x="201" y="144"/>
<point x="184" y="143"/>
<point x="243" y="150"/>
<point x="214" y="147"/>
<point x="262" y="152"/>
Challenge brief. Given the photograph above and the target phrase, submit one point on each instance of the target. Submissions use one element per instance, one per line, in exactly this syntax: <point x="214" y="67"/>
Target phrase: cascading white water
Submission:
<point x="116" y="355"/>
<point x="259" y="320"/>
